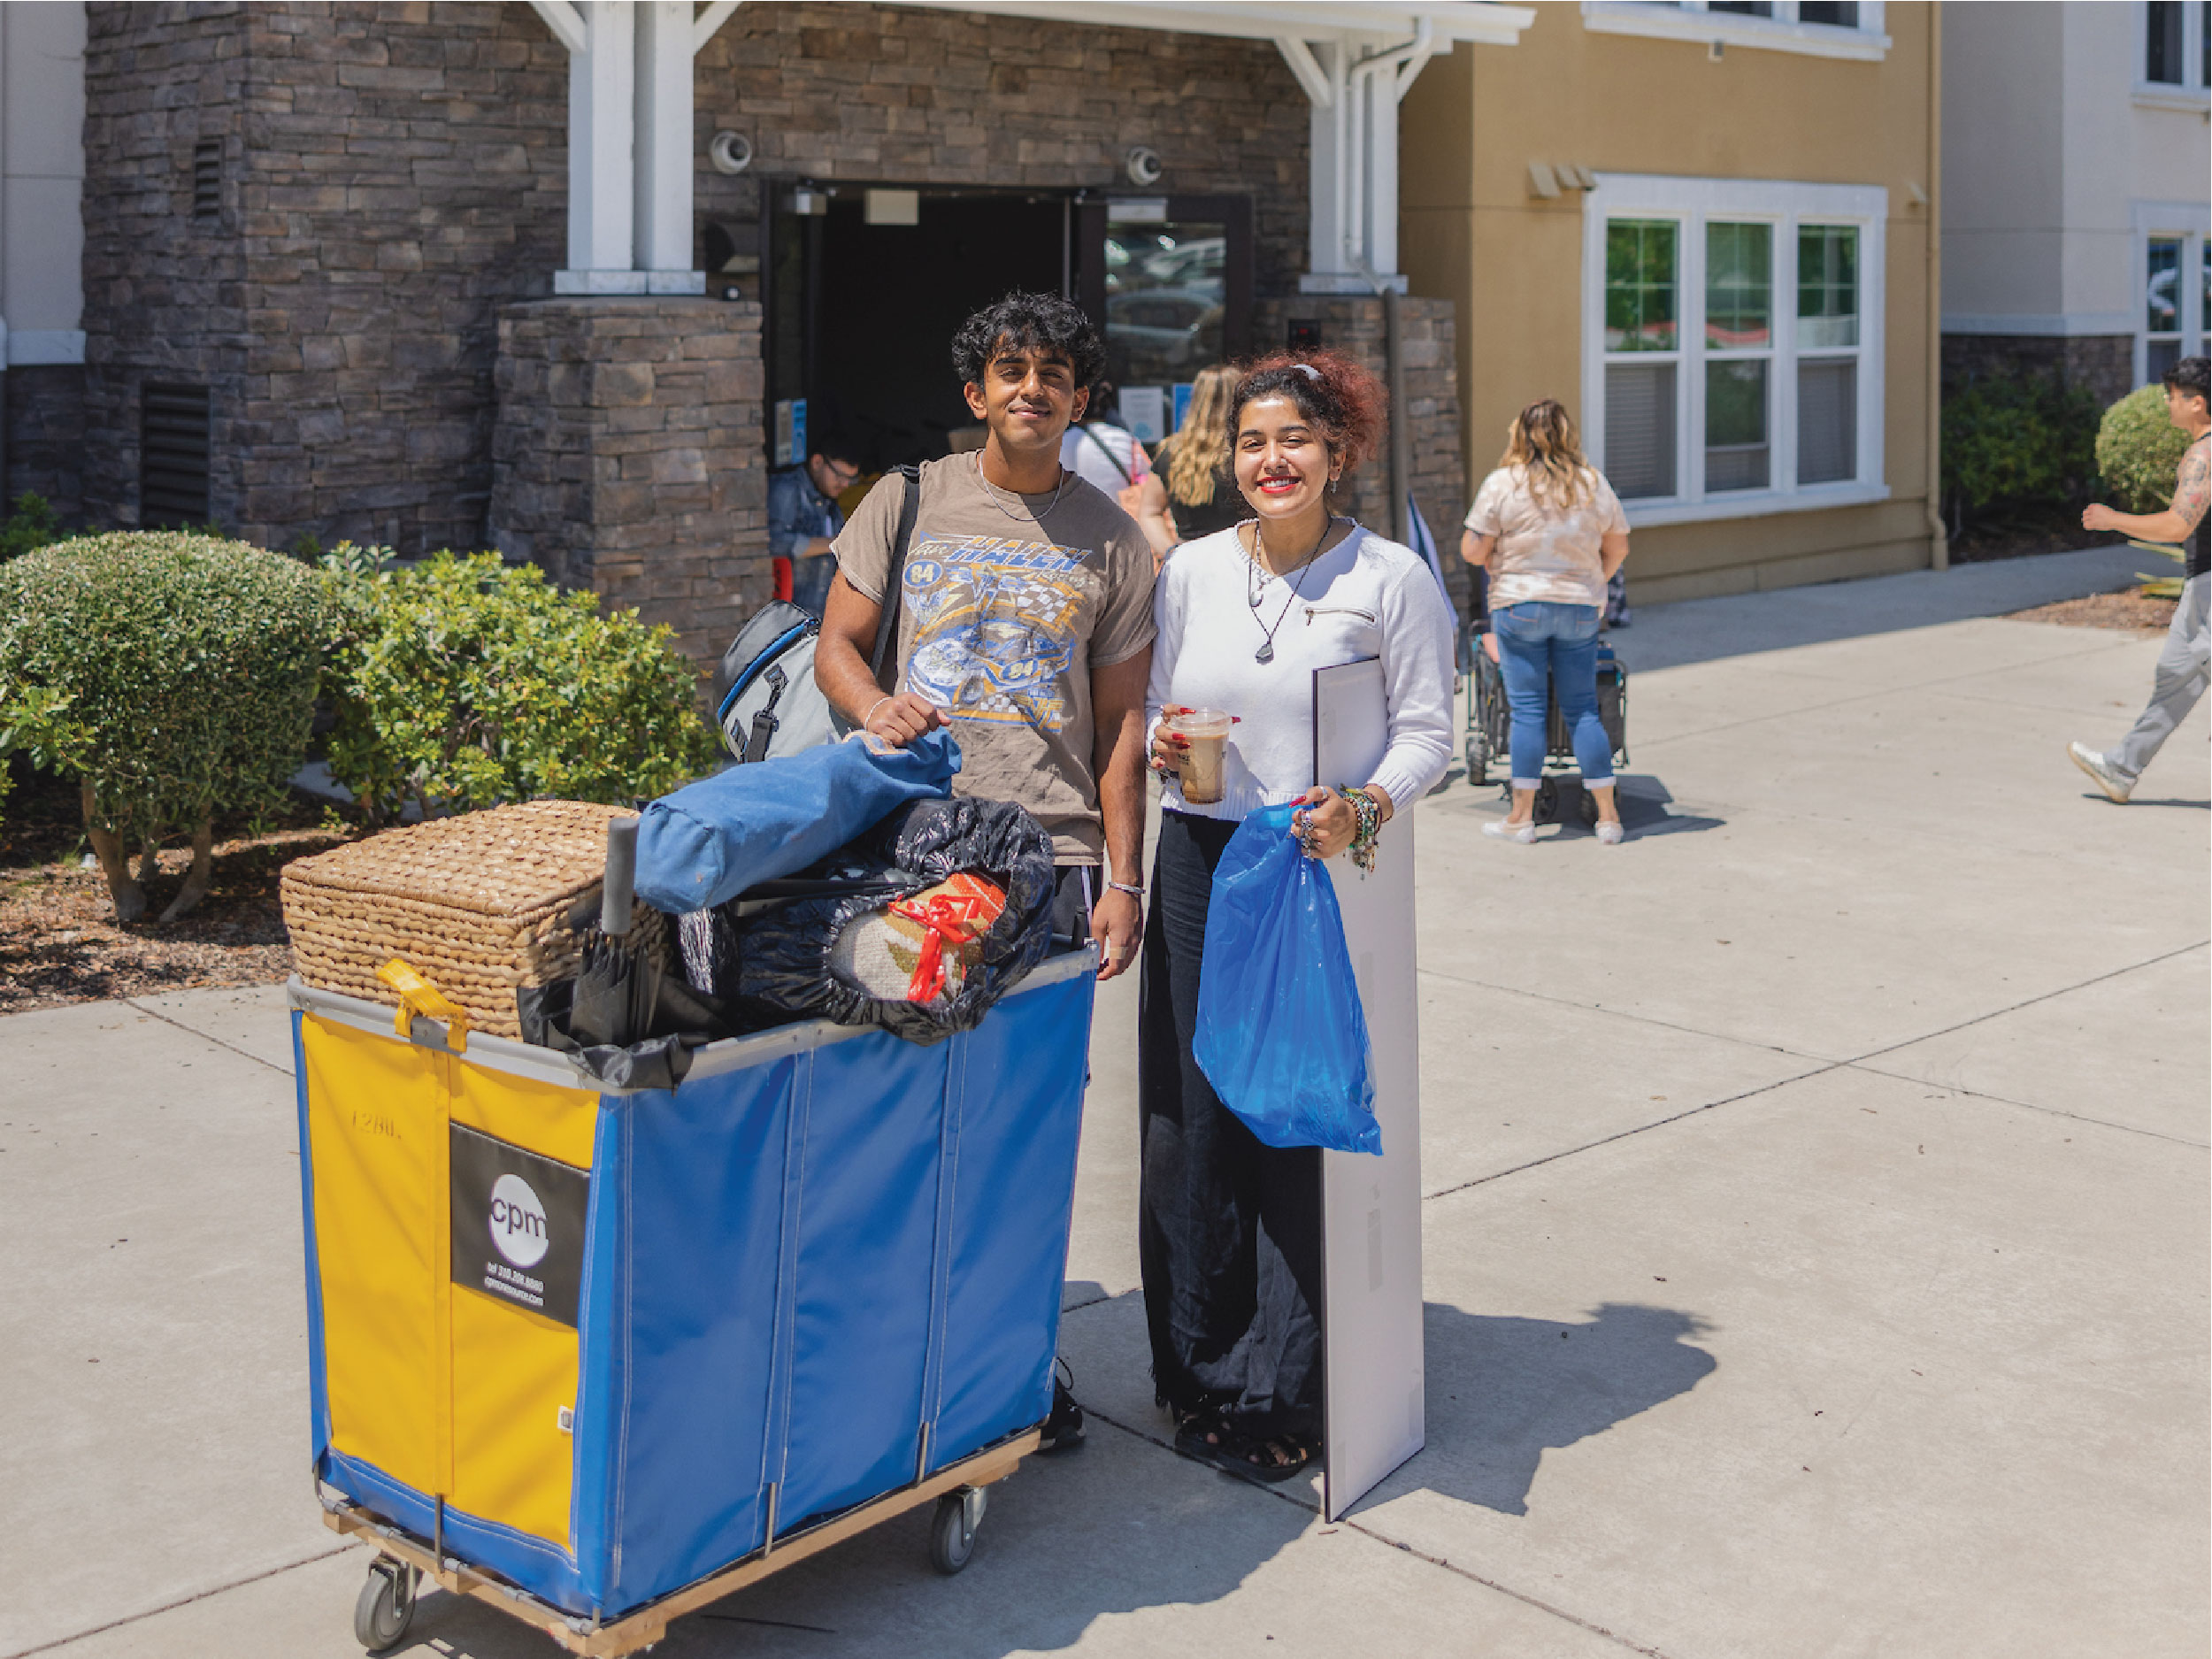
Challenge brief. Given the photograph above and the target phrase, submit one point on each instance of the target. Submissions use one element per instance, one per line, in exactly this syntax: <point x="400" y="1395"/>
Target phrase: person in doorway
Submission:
<point x="803" y="517"/>
<point x="1102" y="452"/>
<point x="1229" y="1229"/>
<point x="1193" y="491"/>
<point x="1548" y="533"/>
<point x="2182" y="671"/>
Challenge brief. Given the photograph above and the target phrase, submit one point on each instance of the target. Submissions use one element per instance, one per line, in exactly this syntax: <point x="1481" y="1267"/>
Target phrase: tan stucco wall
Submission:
<point x="1470" y="231"/>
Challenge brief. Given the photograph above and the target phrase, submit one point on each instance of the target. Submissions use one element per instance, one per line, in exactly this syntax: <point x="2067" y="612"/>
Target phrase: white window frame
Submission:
<point x="2188" y="93"/>
<point x="1785" y="205"/>
<point x="2187" y="223"/>
<point x="1690" y="20"/>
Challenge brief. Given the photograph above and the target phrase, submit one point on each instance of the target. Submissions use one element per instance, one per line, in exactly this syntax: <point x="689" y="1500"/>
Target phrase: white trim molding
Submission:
<point x="1692" y="20"/>
<point x="1479" y="21"/>
<point x="2052" y="324"/>
<point x="2189" y="94"/>
<point x="1787" y="206"/>
<point x="28" y="346"/>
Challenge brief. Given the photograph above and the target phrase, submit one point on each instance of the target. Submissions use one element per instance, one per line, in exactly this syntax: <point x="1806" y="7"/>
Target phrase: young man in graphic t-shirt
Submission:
<point x="1025" y="618"/>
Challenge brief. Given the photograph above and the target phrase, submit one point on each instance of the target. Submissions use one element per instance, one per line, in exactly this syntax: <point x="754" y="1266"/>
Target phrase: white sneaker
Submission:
<point x="2101" y="772"/>
<point x="1503" y="830"/>
<point x="1610" y="834"/>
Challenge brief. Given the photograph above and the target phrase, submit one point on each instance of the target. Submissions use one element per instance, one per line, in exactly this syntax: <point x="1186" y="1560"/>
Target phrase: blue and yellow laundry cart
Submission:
<point x="598" y="1358"/>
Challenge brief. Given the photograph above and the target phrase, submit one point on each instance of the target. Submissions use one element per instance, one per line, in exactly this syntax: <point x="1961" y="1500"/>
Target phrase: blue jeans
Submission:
<point x="1536" y="639"/>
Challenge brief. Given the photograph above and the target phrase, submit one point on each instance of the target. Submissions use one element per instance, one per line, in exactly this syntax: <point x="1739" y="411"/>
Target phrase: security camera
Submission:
<point x="729" y="151"/>
<point x="1143" y="165"/>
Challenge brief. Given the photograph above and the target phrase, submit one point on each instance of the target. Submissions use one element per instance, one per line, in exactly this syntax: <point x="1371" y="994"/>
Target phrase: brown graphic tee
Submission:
<point x="1007" y="604"/>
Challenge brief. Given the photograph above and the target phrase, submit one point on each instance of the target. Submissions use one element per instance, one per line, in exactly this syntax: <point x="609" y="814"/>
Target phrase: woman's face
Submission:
<point x="1284" y="467"/>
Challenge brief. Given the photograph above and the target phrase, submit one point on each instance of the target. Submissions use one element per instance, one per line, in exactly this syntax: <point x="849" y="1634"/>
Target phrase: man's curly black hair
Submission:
<point x="1030" y="322"/>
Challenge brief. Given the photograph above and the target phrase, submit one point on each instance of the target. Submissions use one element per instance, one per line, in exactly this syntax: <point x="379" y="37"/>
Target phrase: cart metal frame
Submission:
<point x="960" y="1489"/>
<point x="1487" y="717"/>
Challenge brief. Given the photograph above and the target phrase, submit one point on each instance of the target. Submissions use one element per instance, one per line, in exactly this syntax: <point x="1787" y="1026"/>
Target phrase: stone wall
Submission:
<point x="901" y="96"/>
<point x="2102" y="364"/>
<point x="393" y="174"/>
<point x="1355" y="326"/>
<point x="45" y="435"/>
<point x="626" y="457"/>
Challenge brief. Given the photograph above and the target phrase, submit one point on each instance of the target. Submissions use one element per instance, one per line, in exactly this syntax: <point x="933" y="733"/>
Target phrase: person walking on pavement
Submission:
<point x="1229" y="1229"/>
<point x="803" y="517"/>
<point x="1550" y="532"/>
<point x="1025" y="624"/>
<point x="2182" y="671"/>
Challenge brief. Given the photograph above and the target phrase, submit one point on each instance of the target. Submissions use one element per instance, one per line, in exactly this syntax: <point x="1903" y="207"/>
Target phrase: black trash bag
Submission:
<point x="773" y="957"/>
<point x="675" y="1020"/>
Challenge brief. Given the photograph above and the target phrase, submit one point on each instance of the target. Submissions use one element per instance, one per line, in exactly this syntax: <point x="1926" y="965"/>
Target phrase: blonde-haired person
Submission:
<point x="1550" y="532"/>
<point x="1192" y="491"/>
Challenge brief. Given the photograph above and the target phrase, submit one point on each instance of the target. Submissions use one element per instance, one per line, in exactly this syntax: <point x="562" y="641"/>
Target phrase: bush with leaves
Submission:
<point x="460" y="682"/>
<point x="2010" y="442"/>
<point x="190" y="665"/>
<point x="2139" y="450"/>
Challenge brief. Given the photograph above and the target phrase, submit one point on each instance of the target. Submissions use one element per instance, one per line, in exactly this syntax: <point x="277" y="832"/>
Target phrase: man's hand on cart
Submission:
<point x="898" y="720"/>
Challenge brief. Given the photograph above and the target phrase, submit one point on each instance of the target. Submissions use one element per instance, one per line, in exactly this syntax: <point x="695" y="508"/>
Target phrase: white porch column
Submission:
<point x="629" y="141"/>
<point x="1355" y="87"/>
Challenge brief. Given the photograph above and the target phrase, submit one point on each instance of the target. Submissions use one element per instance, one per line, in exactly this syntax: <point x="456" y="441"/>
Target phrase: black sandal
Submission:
<point x="1271" y="1458"/>
<point x="1201" y="1433"/>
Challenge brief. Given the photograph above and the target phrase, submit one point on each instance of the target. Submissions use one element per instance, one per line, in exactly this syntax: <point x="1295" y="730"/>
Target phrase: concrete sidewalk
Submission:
<point x="1816" y="1233"/>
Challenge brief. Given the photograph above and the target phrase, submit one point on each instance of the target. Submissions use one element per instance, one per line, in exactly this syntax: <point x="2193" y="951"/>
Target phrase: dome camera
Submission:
<point x="729" y="151"/>
<point x="1143" y="165"/>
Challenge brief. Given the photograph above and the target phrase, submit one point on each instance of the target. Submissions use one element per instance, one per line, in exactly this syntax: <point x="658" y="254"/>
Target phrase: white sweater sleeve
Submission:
<point x="1418" y="670"/>
<point x="1167" y="645"/>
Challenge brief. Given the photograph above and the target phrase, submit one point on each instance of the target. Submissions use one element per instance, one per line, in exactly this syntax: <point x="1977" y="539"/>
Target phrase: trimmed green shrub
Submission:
<point x="2013" y="442"/>
<point x="2139" y="450"/>
<point x="191" y="663"/>
<point x="462" y="682"/>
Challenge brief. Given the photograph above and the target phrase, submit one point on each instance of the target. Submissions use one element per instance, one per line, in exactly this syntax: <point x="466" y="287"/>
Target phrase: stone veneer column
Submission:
<point x="1354" y="325"/>
<point x="626" y="457"/>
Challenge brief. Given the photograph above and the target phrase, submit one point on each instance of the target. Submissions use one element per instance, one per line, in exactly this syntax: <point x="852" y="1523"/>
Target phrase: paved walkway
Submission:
<point x="1816" y="1233"/>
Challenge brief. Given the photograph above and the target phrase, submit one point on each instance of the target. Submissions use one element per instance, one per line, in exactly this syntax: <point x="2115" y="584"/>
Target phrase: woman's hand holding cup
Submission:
<point x="1168" y="746"/>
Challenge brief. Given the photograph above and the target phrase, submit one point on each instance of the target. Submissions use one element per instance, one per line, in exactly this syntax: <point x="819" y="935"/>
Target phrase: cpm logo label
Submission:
<point x="519" y="1223"/>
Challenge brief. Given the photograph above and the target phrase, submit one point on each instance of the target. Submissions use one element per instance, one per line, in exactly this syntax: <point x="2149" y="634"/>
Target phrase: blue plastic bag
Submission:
<point x="1281" y="1036"/>
<point x="710" y="841"/>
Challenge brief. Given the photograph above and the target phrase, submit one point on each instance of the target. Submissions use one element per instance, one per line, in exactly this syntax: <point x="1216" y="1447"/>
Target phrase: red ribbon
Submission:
<point x="944" y="919"/>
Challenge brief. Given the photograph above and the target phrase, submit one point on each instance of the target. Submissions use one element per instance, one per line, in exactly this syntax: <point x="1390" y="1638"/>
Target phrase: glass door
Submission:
<point x="1170" y="281"/>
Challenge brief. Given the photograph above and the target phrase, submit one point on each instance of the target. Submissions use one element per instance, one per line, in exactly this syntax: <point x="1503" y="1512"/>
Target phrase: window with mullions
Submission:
<point x="2163" y="58"/>
<point x="1641" y="302"/>
<point x="2162" y="306"/>
<point x="1743" y="316"/>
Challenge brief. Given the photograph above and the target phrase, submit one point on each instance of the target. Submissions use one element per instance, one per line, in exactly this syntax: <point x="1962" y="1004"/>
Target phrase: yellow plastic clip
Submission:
<point x="418" y="995"/>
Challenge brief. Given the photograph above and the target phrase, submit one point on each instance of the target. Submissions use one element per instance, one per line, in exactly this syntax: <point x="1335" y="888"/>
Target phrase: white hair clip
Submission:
<point x="1308" y="371"/>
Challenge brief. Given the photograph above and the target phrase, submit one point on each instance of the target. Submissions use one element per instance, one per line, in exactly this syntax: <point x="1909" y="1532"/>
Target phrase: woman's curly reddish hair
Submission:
<point x="1342" y="397"/>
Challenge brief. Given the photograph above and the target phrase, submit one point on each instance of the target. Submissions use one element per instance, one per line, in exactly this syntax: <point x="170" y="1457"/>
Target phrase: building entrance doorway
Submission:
<point x="864" y="289"/>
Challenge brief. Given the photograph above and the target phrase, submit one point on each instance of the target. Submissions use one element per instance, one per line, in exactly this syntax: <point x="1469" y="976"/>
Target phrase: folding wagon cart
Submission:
<point x="599" y="1357"/>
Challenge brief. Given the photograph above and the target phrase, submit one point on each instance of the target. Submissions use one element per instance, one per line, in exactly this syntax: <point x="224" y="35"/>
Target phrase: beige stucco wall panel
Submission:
<point x="42" y="165"/>
<point x="1470" y="231"/>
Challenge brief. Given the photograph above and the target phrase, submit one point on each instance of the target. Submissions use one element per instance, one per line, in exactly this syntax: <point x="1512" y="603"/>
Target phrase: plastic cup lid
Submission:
<point x="1202" y="723"/>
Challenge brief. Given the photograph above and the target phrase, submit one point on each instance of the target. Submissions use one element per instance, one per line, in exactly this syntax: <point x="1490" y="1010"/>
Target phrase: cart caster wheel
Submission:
<point x="952" y="1529"/>
<point x="1477" y="765"/>
<point x="386" y="1606"/>
<point x="1547" y="800"/>
<point x="1586" y="808"/>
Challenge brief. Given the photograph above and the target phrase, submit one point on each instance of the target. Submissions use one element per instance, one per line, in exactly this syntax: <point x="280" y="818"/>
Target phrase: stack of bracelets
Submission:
<point x="1370" y="815"/>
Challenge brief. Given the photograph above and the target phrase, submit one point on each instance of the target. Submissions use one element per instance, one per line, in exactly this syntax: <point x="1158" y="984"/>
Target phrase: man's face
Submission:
<point x="1027" y="398"/>
<point x="2186" y="410"/>
<point x="832" y="477"/>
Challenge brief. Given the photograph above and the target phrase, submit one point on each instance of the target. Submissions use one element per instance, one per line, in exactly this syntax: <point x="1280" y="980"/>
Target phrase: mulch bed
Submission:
<point x="60" y="943"/>
<point x="2131" y="610"/>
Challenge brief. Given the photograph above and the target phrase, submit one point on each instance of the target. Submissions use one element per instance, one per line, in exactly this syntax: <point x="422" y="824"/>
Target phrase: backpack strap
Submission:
<point x="894" y="584"/>
<point x="1128" y="477"/>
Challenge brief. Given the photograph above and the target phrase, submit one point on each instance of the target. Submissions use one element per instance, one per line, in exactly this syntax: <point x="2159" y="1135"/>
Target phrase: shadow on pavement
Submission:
<point x="1644" y="801"/>
<point x="1502" y="1391"/>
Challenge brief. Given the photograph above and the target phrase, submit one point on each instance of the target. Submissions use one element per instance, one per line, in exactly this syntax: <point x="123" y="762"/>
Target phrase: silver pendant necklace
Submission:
<point x="993" y="491"/>
<point x="1266" y="653"/>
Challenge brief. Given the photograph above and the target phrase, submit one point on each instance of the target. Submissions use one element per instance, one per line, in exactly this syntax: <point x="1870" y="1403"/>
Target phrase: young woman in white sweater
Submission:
<point x="1230" y="1229"/>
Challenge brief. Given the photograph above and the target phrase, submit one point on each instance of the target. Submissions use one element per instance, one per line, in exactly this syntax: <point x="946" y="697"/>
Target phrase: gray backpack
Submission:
<point x="765" y="701"/>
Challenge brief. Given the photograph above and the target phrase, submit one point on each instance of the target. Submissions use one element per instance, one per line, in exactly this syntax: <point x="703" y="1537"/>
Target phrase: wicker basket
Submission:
<point x="478" y="905"/>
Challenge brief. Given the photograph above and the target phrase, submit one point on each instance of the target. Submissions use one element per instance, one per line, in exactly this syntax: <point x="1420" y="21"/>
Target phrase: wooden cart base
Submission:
<point x="646" y="1626"/>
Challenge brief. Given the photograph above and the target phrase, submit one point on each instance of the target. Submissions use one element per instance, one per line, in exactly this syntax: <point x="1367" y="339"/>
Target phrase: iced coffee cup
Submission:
<point x="1208" y="732"/>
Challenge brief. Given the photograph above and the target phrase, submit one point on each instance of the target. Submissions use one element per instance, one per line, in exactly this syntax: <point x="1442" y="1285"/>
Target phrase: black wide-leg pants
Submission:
<point x="1228" y="1229"/>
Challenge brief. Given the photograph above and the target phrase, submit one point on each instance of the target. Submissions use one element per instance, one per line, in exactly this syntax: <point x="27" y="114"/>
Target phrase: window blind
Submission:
<point x="1640" y="429"/>
<point x="1827" y="420"/>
